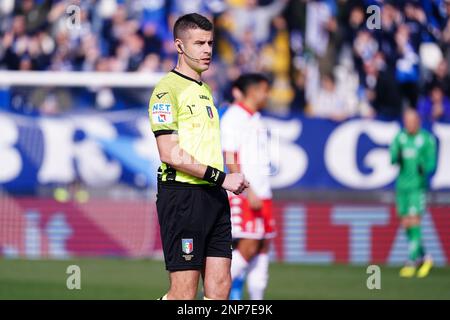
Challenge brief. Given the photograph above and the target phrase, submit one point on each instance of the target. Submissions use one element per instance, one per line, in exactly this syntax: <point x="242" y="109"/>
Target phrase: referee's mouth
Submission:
<point x="206" y="60"/>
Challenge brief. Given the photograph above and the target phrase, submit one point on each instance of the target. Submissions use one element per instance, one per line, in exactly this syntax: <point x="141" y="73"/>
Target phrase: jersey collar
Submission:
<point x="187" y="77"/>
<point x="247" y="109"/>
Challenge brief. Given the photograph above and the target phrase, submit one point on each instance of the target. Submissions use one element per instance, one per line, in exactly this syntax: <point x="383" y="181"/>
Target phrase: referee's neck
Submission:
<point x="188" y="71"/>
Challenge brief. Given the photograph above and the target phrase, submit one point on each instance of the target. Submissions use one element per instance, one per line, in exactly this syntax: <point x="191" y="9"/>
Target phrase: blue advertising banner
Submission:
<point x="104" y="149"/>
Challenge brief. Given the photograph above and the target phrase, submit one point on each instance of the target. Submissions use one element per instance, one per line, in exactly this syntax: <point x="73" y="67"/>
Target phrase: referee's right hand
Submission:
<point x="235" y="182"/>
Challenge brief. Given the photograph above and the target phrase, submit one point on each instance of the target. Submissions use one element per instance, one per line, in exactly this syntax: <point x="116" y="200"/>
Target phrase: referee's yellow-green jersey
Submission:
<point x="182" y="105"/>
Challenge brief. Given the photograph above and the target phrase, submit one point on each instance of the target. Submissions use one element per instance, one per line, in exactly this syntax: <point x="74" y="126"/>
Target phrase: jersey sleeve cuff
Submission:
<point x="158" y="133"/>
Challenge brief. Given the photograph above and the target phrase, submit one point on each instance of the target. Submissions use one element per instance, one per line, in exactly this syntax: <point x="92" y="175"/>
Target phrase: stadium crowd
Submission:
<point x="330" y="59"/>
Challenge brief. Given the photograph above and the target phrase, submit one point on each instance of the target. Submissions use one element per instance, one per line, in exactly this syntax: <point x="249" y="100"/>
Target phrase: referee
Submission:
<point x="192" y="204"/>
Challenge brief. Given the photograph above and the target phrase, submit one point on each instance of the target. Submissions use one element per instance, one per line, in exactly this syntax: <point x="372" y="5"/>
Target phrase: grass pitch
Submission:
<point x="147" y="279"/>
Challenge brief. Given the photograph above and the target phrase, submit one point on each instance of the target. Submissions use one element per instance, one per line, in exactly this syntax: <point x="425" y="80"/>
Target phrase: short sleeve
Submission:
<point x="163" y="111"/>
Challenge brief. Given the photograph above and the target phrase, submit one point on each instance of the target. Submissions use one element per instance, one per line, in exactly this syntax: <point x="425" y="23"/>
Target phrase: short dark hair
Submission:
<point x="245" y="81"/>
<point x="191" y="21"/>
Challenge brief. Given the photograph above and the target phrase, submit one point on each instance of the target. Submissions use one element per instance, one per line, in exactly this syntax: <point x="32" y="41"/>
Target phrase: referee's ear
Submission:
<point x="179" y="46"/>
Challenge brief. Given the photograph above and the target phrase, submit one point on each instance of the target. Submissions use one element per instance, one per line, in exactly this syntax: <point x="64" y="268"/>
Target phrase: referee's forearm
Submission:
<point x="173" y="155"/>
<point x="183" y="161"/>
<point x="196" y="169"/>
<point x="207" y="173"/>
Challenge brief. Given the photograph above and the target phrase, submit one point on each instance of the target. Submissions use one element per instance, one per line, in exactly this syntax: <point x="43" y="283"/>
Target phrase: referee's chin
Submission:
<point x="201" y="67"/>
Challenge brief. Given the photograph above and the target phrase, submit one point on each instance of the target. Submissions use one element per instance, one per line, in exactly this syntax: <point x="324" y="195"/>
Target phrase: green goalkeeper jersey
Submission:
<point x="416" y="156"/>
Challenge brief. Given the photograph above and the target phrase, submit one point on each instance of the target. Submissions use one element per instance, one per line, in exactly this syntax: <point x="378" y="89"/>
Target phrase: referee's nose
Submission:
<point x="207" y="49"/>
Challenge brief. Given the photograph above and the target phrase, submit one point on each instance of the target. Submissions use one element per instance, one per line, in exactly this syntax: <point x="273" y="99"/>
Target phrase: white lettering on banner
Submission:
<point x="441" y="178"/>
<point x="295" y="238"/>
<point x="360" y="220"/>
<point x="95" y="169"/>
<point x="431" y="241"/>
<point x="10" y="160"/>
<point x="57" y="162"/>
<point x="60" y="150"/>
<point x="341" y="148"/>
<point x="288" y="158"/>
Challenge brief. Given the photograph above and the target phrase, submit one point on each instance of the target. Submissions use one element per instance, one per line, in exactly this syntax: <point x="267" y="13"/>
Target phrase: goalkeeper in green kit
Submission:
<point x="414" y="151"/>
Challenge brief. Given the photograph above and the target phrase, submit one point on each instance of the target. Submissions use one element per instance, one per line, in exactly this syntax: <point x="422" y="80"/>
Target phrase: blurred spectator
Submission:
<point x="382" y="91"/>
<point x="35" y="13"/>
<point x="329" y="102"/>
<point x="319" y="18"/>
<point x="352" y="24"/>
<point x="390" y="19"/>
<point x="445" y="38"/>
<point x="321" y="26"/>
<point x="441" y="77"/>
<point x="416" y="21"/>
<point x="298" y="103"/>
<point x="255" y="18"/>
<point x="365" y="47"/>
<point x="152" y="42"/>
<point x="435" y="106"/>
<point x="294" y="42"/>
<point x="150" y="64"/>
<point x="407" y="66"/>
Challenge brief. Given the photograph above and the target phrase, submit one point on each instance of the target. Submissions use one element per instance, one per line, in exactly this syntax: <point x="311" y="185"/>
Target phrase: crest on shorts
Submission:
<point x="187" y="245"/>
<point x="210" y="112"/>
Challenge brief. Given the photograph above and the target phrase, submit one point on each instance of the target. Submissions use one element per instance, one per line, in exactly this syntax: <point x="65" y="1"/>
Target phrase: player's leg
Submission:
<point x="243" y="254"/>
<point x="237" y="284"/>
<point x="423" y="259"/>
<point x="248" y="248"/>
<point x="416" y="210"/>
<point x="243" y="221"/>
<point x="258" y="272"/>
<point x="409" y="269"/>
<point x="416" y="250"/>
<point x="217" y="279"/>
<point x="218" y="252"/>
<point x="183" y="285"/>
<point x="413" y="209"/>
<point x="237" y="287"/>
<point x="402" y="204"/>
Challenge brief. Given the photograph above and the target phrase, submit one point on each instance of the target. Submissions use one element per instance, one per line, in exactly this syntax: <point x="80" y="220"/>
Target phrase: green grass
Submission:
<point x="146" y="279"/>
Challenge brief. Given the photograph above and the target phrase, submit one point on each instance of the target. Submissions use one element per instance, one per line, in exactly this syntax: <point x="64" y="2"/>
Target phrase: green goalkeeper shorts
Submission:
<point x="410" y="202"/>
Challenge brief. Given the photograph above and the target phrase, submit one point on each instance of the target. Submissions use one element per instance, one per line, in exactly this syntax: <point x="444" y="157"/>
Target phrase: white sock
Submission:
<point x="258" y="276"/>
<point x="238" y="265"/>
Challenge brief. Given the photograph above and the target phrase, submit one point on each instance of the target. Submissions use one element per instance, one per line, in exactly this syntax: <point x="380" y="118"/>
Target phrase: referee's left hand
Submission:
<point x="235" y="182"/>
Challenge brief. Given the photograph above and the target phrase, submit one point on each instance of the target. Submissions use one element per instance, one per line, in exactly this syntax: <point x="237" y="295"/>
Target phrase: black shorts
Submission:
<point x="194" y="224"/>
